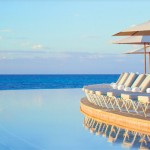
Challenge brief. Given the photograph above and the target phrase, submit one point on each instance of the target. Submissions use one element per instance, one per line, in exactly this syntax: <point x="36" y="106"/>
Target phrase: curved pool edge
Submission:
<point x="131" y="122"/>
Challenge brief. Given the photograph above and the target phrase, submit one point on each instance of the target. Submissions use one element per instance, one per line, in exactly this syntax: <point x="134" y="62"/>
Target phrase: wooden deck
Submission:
<point x="124" y="120"/>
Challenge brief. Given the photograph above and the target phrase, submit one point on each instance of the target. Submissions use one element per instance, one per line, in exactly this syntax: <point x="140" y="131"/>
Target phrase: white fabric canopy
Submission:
<point x="141" y="29"/>
<point x="134" y="40"/>
<point x="144" y="40"/>
<point x="141" y="51"/>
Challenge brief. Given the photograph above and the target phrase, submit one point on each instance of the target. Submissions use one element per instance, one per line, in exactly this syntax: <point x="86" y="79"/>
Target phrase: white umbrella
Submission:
<point x="141" y="29"/>
<point x="144" y="40"/>
<point x="134" y="40"/>
<point x="141" y="51"/>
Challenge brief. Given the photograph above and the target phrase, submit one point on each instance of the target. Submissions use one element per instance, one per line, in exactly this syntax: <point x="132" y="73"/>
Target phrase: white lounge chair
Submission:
<point x="96" y="93"/>
<point x="144" y="104"/>
<point x="108" y="97"/>
<point x="130" y="99"/>
<point x="137" y="82"/>
<point x="121" y="99"/>
<point x="95" y="87"/>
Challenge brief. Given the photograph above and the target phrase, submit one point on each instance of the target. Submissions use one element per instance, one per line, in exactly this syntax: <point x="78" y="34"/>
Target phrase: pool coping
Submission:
<point x="124" y="120"/>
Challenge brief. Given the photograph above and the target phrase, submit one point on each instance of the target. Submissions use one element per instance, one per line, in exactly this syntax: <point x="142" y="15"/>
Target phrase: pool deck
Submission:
<point x="124" y="120"/>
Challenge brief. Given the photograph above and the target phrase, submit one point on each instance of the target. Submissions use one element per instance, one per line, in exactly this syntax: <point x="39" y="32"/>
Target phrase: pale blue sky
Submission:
<point x="44" y="36"/>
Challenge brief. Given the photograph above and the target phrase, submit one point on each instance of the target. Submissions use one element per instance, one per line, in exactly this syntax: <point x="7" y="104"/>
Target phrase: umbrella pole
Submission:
<point x="144" y="58"/>
<point x="149" y="62"/>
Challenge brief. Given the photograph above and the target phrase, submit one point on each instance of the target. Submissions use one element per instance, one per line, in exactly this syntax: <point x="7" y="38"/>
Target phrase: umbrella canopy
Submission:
<point x="141" y="51"/>
<point x="134" y="40"/>
<point x="141" y="29"/>
<point x="145" y="40"/>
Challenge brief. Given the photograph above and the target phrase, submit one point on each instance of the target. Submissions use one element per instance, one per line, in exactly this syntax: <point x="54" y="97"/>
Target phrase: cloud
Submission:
<point x="88" y="56"/>
<point x="67" y="62"/>
<point x="49" y="54"/>
<point x="39" y="47"/>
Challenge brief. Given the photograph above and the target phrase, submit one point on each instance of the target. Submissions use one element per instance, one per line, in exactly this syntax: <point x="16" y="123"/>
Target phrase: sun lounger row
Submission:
<point x="136" y="100"/>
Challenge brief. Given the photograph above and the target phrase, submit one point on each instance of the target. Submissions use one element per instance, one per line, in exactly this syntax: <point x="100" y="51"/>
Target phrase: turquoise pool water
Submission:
<point x="46" y="120"/>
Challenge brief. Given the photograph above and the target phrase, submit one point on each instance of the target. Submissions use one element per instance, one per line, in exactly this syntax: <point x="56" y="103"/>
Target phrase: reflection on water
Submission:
<point x="127" y="138"/>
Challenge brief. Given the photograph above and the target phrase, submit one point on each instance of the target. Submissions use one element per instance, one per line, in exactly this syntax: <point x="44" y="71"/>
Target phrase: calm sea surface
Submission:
<point x="8" y="82"/>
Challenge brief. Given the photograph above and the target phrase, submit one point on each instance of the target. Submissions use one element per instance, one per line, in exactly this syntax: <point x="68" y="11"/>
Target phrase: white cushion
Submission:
<point x="136" y="89"/>
<point x="121" y="87"/>
<point x="112" y="84"/>
<point x="148" y="90"/>
<point x="115" y="86"/>
<point x="127" y="89"/>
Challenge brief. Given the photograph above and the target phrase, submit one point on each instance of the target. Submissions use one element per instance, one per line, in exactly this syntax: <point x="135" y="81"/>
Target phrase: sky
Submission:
<point x="68" y="36"/>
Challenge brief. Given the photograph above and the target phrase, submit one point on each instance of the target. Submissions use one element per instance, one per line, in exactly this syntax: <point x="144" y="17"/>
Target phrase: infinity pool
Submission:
<point x="46" y="120"/>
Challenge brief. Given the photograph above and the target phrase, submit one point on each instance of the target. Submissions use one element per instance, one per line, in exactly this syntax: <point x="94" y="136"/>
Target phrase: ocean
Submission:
<point x="16" y="82"/>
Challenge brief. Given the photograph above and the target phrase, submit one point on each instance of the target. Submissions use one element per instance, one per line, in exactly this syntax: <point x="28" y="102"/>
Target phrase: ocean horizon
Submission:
<point x="52" y="81"/>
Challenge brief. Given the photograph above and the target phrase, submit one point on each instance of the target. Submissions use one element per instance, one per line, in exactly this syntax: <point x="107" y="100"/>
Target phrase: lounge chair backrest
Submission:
<point x="130" y="79"/>
<point x="123" y="79"/>
<point x="145" y="84"/>
<point x="120" y="78"/>
<point x="138" y="80"/>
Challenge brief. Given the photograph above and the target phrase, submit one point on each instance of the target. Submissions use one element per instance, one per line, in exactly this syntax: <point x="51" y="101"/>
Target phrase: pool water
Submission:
<point x="46" y="120"/>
